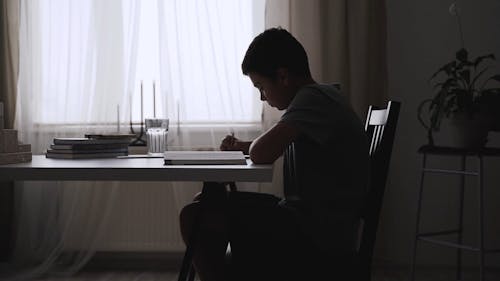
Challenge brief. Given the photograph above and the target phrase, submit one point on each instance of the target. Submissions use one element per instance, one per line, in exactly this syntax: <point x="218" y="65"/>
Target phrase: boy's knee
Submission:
<point x="186" y="219"/>
<point x="209" y="220"/>
<point x="215" y="194"/>
<point x="188" y="214"/>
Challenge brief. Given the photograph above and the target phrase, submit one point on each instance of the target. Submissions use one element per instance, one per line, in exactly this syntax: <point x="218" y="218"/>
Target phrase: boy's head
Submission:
<point x="277" y="65"/>
<point x="273" y="49"/>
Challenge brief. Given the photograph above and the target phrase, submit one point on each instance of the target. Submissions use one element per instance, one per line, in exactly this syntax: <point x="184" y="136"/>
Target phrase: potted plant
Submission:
<point x="464" y="103"/>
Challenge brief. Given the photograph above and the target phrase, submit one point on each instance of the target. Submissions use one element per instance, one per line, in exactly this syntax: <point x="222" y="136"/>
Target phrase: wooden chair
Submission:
<point x="380" y="127"/>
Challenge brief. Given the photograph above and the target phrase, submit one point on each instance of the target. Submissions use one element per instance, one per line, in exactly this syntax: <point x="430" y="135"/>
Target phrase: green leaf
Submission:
<point x="450" y="82"/>
<point x="462" y="55"/>
<point x="464" y="99"/>
<point x="465" y="75"/>
<point x="450" y="104"/>
<point x="447" y="68"/>
<point x="478" y="76"/>
<point x="419" y="113"/>
<point x="481" y="58"/>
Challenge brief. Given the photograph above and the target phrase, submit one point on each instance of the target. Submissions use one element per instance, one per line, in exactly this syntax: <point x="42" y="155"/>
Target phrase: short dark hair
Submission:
<point x="275" y="48"/>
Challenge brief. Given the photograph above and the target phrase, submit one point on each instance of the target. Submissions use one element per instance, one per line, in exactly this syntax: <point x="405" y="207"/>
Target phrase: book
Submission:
<point x="87" y="151"/>
<point x="94" y="146"/>
<point x="204" y="158"/>
<point x="67" y="141"/>
<point x="84" y="155"/>
<point x="110" y="136"/>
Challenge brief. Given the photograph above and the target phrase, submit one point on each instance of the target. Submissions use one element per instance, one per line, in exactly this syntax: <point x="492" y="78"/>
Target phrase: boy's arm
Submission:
<point x="270" y="146"/>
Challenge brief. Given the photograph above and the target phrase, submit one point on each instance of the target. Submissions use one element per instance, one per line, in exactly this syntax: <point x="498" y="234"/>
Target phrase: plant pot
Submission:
<point x="489" y="105"/>
<point x="463" y="131"/>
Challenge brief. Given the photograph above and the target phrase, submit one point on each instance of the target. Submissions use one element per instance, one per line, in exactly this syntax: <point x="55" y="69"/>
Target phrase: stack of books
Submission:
<point x="91" y="146"/>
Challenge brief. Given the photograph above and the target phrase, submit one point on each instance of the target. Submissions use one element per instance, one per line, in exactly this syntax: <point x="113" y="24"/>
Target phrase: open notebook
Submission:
<point x="204" y="158"/>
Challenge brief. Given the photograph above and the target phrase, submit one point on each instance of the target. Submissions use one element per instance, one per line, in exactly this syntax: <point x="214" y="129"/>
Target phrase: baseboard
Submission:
<point x="153" y="261"/>
<point x="386" y="264"/>
<point x="171" y="261"/>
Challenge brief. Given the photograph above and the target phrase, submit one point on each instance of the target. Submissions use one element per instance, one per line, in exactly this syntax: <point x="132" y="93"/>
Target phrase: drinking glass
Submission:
<point x="156" y="135"/>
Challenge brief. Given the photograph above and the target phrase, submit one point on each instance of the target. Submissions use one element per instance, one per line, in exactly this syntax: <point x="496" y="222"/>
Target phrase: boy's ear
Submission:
<point x="283" y="75"/>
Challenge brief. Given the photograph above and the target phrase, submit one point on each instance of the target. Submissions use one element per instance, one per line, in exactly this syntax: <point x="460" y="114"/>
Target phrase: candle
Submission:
<point x="142" y="106"/>
<point x="118" y="118"/>
<point x="130" y="106"/>
<point x="154" y="99"/>
<point x="130" y="112"/>
<point x="178" y="117"/>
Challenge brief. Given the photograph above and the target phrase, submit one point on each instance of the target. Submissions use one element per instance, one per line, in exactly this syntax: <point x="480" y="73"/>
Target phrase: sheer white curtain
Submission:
<point x="202" y="44"/>
<point x="78" y="61"/>
<point x="75" y="57"/>
<point x="201" y="47"/>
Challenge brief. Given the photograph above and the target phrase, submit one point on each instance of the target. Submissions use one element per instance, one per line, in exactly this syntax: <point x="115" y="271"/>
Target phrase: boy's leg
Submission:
<point x="255" y="237"/>
<point x="211" y="237"/>
<point x="267" y="244"/>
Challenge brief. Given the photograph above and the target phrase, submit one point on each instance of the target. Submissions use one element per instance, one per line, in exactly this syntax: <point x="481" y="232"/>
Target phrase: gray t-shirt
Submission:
<point x="332" y="166"/>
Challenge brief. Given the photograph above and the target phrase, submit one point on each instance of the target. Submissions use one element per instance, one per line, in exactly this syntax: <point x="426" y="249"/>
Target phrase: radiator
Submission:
<point x="145" y="217"/>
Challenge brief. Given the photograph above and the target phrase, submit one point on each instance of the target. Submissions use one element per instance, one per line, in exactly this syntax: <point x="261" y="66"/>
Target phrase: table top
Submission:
<point x="443" y="150"/>
<point x="131" y="169"/>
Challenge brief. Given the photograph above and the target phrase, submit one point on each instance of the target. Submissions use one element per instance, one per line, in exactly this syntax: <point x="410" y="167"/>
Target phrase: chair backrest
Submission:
<point x="380" y="127"/>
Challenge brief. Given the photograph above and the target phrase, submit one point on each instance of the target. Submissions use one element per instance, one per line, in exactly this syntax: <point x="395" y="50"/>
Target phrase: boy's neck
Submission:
<point x="301" y="82"/>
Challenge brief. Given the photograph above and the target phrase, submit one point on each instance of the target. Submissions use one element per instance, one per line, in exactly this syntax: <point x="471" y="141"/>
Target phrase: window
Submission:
<point x="94" y="55"/>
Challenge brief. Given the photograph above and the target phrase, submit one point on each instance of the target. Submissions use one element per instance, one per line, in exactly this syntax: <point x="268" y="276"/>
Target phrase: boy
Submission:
<point x="313" y="230"/>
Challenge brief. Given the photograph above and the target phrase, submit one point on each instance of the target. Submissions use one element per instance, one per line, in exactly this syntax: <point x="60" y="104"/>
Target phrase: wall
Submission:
<point x="422" y="36"/>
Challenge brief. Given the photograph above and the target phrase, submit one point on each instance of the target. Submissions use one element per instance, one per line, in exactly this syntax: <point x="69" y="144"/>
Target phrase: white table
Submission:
<point x="135" y="169"/>
<point x="131" y="169"/>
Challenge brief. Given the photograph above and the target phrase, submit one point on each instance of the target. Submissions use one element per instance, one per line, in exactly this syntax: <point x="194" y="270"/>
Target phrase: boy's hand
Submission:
<point x="234" y="144"/>
<point x="229" y="143"/>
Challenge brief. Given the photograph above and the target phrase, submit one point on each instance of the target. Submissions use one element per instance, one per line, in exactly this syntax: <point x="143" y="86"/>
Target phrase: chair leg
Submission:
<point x="187" y="264"/>
<point x="417" y="224"/>
<point x="192" y="273"/>
<point x="481" y="219"/>
<point x="460" y="219"/>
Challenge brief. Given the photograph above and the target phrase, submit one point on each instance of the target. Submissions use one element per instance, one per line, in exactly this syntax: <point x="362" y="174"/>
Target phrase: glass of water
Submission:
<point x="156" y="134"/>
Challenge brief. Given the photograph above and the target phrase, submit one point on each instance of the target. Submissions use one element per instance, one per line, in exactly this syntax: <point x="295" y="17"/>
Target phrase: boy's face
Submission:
<point x="277" y="92"/>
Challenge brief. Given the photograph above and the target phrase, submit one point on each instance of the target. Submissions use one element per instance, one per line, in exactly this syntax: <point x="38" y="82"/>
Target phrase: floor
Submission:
<point x="153" y="267"/>
<point x="379" y="275"/>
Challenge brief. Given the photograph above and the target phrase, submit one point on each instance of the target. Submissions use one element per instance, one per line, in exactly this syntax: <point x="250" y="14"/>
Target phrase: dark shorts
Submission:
<point x="267" y="242"/>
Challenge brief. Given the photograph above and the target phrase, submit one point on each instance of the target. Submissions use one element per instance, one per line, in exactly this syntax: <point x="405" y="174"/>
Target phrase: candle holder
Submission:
<point x="138" y="141"/>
